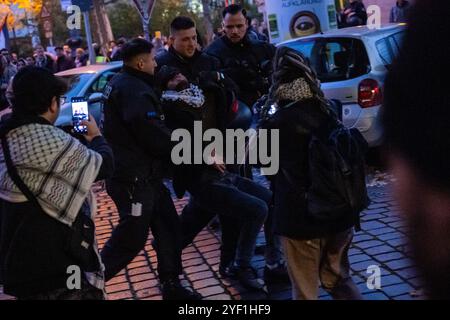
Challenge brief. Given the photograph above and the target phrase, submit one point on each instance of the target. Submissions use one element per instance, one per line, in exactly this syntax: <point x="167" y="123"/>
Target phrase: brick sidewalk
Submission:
<point x="382" y="243"/>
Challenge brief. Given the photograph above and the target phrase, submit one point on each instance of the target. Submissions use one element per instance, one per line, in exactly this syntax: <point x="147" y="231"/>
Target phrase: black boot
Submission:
<point x="227" y="269"/>
<point x="173" y="290"/>
<point x="276" y="274"/>
<point x="249" y="279"/>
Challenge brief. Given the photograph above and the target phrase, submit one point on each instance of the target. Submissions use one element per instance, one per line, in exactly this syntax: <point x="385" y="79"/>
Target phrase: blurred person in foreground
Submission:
<point x="46" y="207"/>
<point x="416" y="122"/>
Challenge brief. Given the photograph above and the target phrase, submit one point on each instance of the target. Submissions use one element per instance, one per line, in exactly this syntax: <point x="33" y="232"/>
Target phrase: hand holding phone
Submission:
<point x="91" y="128"/>
<point x="80" y="113"/>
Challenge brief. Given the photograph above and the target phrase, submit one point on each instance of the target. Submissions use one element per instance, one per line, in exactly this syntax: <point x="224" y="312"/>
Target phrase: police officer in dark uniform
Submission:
<point x="134" y="127"/>
<point x="245" y="60"/>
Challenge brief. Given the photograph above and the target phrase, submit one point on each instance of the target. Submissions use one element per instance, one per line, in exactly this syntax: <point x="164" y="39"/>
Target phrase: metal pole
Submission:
<point x="87" y="26"/>
<point x="15" y="40"/>
<point x="145" y="25"/>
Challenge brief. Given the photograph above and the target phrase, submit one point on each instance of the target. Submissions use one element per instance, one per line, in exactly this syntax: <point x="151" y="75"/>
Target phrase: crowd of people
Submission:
<point x="46" y="217"/>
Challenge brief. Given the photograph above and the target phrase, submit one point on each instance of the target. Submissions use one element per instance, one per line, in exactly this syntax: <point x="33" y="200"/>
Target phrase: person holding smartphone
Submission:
<point x="40" y="218"/>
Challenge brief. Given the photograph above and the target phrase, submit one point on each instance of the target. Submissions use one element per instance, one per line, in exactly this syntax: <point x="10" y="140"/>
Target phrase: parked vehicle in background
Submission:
<point x="87" y="82"/>
<point x="352" y="64"/>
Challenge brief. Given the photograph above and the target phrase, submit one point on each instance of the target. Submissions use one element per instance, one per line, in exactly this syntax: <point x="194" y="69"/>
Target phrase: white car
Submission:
<point x="352" y="64"/>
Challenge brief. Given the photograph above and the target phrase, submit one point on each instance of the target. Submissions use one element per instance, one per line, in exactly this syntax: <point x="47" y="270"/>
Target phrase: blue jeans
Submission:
<point x="239" y="198"/>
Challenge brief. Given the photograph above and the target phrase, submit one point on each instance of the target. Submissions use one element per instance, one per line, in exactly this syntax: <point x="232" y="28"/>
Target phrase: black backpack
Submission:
<point x="336" y="162"/>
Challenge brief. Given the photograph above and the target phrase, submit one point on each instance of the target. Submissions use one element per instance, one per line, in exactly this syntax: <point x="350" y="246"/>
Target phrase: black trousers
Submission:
<point x="194" y="218"/>
<point x="143" y="206"/>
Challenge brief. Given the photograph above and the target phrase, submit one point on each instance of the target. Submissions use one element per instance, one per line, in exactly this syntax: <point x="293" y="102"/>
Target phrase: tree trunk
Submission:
<point x="104" y="31"/>
<point x="207" y="22"/>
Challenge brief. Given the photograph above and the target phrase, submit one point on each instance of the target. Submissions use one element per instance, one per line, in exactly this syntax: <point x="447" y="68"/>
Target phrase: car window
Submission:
<point x="304" y="47"/>
<point x="75" y="83"/>
<point x="101" y="82"/>
<point x="389" y="48"/>
<point x="334" y="59"/>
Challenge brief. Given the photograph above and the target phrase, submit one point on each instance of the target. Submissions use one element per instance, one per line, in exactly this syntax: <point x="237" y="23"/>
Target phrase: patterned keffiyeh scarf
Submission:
<point x="193" y="96"/>
<point x="296" y="90"/>
<point x="56" y="167"/>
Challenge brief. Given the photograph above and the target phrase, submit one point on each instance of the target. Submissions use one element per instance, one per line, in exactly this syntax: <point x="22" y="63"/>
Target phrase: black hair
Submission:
<point x="33" y="90"/>
<point x="416" y="111"/>
<point x="234" y="9"/>
<point x="181" y="23"/>
<point x="135" y="47"/>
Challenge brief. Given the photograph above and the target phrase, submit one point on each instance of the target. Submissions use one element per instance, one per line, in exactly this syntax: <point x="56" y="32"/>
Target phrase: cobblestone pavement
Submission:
<point x="382" y="243"/>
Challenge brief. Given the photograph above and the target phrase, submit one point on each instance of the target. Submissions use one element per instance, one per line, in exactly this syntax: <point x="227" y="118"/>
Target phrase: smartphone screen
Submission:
<point x="79" y="113"/>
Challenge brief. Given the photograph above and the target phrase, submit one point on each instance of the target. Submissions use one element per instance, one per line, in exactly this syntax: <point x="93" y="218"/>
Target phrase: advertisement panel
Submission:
<point x="290" y="19"/>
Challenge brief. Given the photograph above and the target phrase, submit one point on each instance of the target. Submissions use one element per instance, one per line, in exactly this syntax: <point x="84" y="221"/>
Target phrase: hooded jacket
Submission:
<point x="215" y="113"/>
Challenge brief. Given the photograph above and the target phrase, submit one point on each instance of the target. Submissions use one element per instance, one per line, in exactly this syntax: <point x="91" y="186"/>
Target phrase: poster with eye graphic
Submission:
<point x="289" y="19"/>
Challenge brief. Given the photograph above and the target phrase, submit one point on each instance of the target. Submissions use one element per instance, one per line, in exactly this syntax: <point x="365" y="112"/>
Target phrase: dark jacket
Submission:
<point x="400" y="13"/>
<point x="134" y="126"/>
<point x="290" y="184"/>
<point x="34" y="253"/>
<point x="216" y="113"/>
<point x="189" y="67"/>
<point x="64" y="63"/>
<point x="247" y="63"/>
<point x="255" y="35"/>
